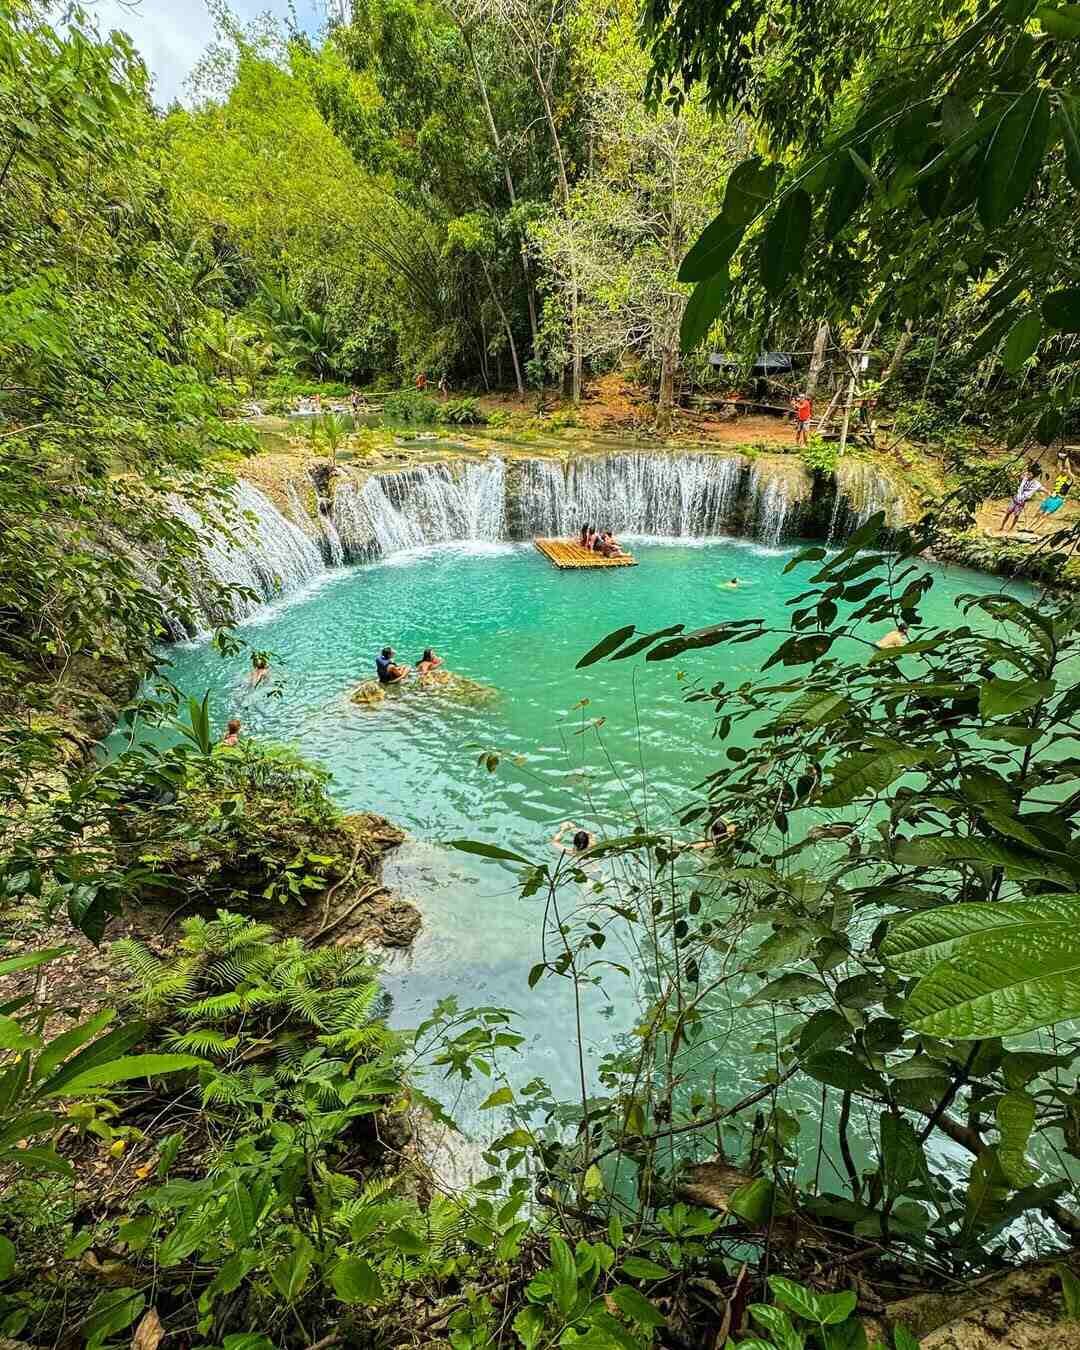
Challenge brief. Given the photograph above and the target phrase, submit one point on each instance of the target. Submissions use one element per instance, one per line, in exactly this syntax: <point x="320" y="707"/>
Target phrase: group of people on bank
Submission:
<point x="1029" y="488"/>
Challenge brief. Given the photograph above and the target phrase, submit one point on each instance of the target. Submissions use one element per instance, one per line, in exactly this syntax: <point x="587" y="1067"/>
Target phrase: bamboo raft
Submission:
<point x="567" y="553"/>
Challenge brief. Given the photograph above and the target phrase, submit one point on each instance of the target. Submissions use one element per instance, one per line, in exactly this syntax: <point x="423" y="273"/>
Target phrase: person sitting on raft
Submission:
<point x="897" y="638"/>
<point x="428" y="662"/>
<point x="581" y="840"/>
<point x="387" y="671"/>
<point x="609" y="545"/>
<point x="586" y="536"/>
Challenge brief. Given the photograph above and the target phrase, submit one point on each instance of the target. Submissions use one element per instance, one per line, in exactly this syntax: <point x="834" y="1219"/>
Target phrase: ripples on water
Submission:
<point x="500" y="614"/>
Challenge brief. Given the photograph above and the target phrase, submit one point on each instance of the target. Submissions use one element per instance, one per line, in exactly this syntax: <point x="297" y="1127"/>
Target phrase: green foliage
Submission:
<point x="465" y="412"/>
<point x="414" y="409"/>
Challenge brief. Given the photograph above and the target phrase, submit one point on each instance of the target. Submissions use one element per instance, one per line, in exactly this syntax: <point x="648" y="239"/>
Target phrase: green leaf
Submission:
<point x="785" y="240"/>
<point x="1022" y="340"/>
<point x="290" y="1274"/>
<point x="7" y="1258"/>
<point x="749" y="190"/>
<point x="987" y="1188"/>
<point x="639" y="1268"/>
<point x="564" y="1280"/>
<point x="111" y="1312"/>
<point x="637" y="1307"/>
<point x="778" y="1324"/>
<point x="529" y="1325"/>
<point x="11" y="964"/>
<point x="825" y="1309"/>
<point x="606" y="646"/>
<point x="131" y="1066"/>
<point x="702" y="310"/>
<point x="500" y="1097"/>
<point x="1061" y="310"/>
<point x="845" y="199"/>
<point x="957" y="851"/>
<point x="785" y="988"/>
<point x="901" y="1154"/>
<point x="1003" y="698"/>
<point x="1060" y="21"/>
<point x="1013" y="157"/>
<point x="407" y="1241"/>
<point x="1070" y="1291"/>
<point x="753" y="1202"/>
<point x="486" y="850"/>
<point x="1002" y="979"/>
<point x="825" y="1030"/>
<point x="839" y="1069"/>
<point x="869" y="772"/>
<point x="1068" y="121"/>
<point x="13" y="1037"/>
<point x="713" y="251"/>
<point x="354" y="1281"/>
<point x="918" y="943"/>
<point x="1015" y="1116"/>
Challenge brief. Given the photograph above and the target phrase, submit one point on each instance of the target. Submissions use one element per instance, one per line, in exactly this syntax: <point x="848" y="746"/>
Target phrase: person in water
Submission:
<point x="609" y="545"/>
<point x="897" y="638"/>
<point x="386" y="669"/>
<point x="732" y="585"/>
<point x="260" y="668"/>
<point x="232" y="732"/>
<point x="429" y="661"/>
<point x="721" y="831"/>
<point x="580" y="841"/>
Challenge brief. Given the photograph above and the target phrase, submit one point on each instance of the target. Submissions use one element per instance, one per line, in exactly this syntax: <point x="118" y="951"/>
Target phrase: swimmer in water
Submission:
<point x="581" y="840"/>
<point x="232" y="732"/>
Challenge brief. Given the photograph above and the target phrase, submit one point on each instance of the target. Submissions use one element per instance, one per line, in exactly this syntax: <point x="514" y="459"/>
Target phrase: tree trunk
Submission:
<point x="506" y="327"/>
<point x="903" y="344"/>
<point x="817" y="360"/>
<point x="666" y="405"/>
<point x="496" y="141"/>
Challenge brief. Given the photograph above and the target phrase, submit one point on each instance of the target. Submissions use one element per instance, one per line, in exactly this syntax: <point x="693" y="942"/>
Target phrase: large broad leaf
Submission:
<point x="1002" y="698"/>
<point x="915" y="945"/>
<point x="1013" y="157"/>
<point x="127" y="1068"/>
<point x="840" y="1070"/>
<point x="785" y="239"/>
<point x="825" y="1309"/>
<point x="1061" y="309"/>
<point x="845" y="199"/>
<point x="486" y="850"/>
<point x="713" y="250"/>
<point x="932" y="851"/>
<point x="749" y="189"/>
<point x="1060" y="21"/>
<point x="1005" y="974"/>
<point x="901" y="1154"/>
<point x="703" y="309"/>
<point x="1020" y="344"/>
<point x="564" y="1279"/>
<point x="354" y="1281"/>
<point x="1015" y="1116"/>
<point x="868" y="772"/>
<point x="787" y="988"/>
<point x="611" y="643"/>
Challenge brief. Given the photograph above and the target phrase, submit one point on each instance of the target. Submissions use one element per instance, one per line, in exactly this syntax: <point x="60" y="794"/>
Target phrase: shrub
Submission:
<point x="464" y="412"/>
<point x="414" y="409"/>
<point x="820" y="455"/>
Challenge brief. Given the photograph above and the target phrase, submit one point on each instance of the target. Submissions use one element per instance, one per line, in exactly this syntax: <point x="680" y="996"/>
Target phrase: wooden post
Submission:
<point x="848" y="402"/>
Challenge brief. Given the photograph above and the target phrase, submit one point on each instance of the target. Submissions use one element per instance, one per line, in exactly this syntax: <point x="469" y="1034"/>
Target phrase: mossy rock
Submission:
<point x="371" y="694"/>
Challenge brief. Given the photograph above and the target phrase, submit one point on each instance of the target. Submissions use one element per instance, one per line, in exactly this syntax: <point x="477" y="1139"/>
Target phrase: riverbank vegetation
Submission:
<point x="223" y="1143"/>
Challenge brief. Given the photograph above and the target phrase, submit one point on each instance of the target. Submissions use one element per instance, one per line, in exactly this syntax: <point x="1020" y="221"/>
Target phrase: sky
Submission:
<point x="173" y="34"/>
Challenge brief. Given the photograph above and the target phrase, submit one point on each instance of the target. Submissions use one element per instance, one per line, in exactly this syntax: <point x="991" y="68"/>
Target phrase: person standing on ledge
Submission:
<point x="1028" y="487"/>
<point x="387" y="671"/>
<point x="804" y="410"/>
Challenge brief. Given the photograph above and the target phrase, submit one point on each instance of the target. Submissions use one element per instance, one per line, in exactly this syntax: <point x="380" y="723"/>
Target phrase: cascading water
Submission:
<point x="333" y="553"/>
<point x="769" y="506"/>
<point x="426" y="505"/>
<point x="862" y="489"/>
<point x="261" y="552"/>
<point x="663" y="495"/>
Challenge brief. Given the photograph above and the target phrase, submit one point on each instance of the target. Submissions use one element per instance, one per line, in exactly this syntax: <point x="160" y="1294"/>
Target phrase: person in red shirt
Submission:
<point x="804" y="410"/>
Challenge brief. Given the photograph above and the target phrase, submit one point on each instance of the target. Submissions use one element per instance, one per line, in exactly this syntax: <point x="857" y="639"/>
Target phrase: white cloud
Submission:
<point x="173" y="34"/>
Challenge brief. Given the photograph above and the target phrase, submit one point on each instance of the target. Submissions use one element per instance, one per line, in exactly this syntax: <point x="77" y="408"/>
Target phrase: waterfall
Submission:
<point x="333" y="553"/>
<point x="861" y="490"/>
<point x="426" y="505"/>
<point x="769" y="506"/>
<point x="259" y="550"/>
<point x="662" y="495"/>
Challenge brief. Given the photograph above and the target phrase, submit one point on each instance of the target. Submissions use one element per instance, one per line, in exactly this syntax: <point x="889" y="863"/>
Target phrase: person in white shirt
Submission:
<point x="1029" y="486"/>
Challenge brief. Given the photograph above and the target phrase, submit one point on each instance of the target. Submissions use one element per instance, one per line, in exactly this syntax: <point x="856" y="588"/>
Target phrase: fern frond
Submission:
<point x="202" y="1041"/>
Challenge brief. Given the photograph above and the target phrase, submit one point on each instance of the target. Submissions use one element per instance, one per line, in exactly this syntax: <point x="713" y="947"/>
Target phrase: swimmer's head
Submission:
<point x="581" y="840"/>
